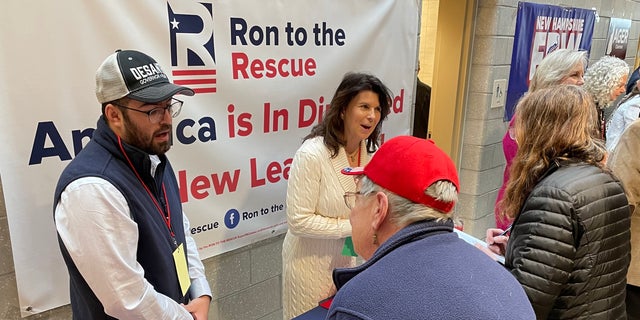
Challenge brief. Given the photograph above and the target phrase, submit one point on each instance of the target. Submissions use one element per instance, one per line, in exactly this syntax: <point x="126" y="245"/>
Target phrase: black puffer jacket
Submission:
<point x="569" y="246"/>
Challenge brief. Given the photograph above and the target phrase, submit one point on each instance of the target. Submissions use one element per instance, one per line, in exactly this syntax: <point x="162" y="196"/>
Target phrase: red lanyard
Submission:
<point x="165" y="217"/>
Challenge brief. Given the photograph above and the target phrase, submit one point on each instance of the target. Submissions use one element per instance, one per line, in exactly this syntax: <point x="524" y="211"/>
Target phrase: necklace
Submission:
<point x="354" y="157"/>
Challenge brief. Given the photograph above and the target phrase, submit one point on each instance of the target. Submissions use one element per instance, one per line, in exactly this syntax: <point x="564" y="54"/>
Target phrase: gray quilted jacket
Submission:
<point x="569" y="246"/>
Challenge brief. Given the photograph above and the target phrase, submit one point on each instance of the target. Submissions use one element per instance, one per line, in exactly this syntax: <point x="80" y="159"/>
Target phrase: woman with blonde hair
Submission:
<point x="562" y="66"/>
<point x="569" y="242"/>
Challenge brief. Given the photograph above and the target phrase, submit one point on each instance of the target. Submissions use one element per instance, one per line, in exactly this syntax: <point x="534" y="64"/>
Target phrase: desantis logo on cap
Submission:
<point x="147" y="73"/>
<point x="407" y="166"/>
<point x="133" y="74"/>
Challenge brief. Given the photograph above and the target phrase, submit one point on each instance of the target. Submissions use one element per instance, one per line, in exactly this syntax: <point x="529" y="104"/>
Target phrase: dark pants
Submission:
<point x="633" y="302"/>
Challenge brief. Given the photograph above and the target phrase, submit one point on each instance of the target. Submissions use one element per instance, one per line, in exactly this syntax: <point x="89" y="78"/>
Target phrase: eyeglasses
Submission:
<point x="350" y="198"/>
<point x="156" y="114"/>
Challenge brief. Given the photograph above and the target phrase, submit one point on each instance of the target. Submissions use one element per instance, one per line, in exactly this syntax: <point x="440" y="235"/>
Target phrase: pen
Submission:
<point x="504" y="233"/>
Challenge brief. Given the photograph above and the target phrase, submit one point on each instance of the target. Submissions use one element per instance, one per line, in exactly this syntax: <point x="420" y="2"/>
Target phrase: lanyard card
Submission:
<point x="181" y="269"/>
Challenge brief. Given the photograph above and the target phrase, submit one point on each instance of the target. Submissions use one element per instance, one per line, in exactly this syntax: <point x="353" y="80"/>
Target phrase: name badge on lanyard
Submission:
<point x="181" y="269"/>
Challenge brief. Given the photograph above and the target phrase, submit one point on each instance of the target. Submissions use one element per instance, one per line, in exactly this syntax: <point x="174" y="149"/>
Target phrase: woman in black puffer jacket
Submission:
<point x="569" y="244"/>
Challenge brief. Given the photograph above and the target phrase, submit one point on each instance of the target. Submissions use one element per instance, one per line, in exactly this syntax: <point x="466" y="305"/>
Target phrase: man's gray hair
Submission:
<point x="403" y="212"/>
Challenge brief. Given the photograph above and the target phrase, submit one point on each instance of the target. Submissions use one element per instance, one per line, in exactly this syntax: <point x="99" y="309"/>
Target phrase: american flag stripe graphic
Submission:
<point x="201" y="81"/>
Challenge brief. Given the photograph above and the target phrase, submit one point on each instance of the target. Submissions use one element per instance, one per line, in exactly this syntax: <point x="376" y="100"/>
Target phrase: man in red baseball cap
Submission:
<point x="416" y="266"/>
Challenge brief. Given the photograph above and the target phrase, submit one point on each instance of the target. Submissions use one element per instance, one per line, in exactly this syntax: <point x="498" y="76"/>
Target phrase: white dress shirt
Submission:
<point x="94" y="223"/>
<point x="622" y="117"/>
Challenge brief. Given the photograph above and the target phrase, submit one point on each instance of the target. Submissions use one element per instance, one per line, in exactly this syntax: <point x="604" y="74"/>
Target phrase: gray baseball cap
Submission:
<point x="133" y="74"/>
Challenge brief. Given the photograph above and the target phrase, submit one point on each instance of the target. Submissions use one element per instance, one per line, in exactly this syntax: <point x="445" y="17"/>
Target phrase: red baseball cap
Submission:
<point x="407" y="166"/>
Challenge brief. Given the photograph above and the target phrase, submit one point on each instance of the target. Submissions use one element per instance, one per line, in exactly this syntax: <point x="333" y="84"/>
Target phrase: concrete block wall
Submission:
<point x="247" y="282"/>
<point x="616" y="9"/>
<point x="482" y="161"/>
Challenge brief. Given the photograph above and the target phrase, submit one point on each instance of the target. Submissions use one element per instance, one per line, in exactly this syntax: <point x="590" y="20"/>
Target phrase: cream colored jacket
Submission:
<point x="624" y="161"/>
<point x="318" y="225"/>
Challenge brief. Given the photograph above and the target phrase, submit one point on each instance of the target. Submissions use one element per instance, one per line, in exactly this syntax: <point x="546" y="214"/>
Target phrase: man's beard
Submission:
<point x="134" y="136"/>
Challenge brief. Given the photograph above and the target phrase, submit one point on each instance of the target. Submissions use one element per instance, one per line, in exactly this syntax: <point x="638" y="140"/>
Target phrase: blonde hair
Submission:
<point x="555" y="67"/>
<point x="552" y="123"/>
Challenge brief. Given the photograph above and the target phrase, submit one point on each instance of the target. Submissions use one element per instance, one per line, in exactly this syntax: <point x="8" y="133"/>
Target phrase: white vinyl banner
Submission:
<point x="264" y="73"/>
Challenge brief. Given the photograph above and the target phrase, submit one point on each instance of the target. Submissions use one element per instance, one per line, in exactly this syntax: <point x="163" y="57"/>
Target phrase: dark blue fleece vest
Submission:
<point x="102" y="157"/>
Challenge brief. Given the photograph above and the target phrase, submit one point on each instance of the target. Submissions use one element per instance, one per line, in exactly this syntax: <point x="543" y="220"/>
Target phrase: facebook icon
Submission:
<point x="232" y="218"/>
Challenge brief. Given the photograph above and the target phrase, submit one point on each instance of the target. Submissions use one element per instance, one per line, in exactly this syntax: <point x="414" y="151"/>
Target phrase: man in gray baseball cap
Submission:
<point x="117" y="207"/>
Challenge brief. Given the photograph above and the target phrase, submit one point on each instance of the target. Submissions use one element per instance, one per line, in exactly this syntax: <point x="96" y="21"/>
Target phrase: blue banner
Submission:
<point x="541" y="29"/>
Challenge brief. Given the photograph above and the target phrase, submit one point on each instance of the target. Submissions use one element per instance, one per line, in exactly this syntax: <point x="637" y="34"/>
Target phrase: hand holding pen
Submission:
<point x="507" y="230"/>
<point x="497" y="240"/>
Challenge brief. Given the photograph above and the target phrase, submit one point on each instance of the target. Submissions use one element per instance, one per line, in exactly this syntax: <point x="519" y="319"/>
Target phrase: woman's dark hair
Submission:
<point x="332" y="126"/>
<point x="631" y="83"/>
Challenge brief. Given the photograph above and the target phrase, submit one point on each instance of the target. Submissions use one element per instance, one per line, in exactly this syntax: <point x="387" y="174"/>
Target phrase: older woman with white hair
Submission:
<point x="627" y="111"/>
<point x="416" y="266"/>
<point x="605" y="81"/>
